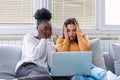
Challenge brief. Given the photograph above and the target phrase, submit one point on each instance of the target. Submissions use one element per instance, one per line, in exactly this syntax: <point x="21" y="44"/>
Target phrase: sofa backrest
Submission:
<point x="9" y="56"/>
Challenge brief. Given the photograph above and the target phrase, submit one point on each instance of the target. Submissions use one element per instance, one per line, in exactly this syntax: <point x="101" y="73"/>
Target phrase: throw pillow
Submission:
<point x="116" y="50"/>
<point x="97" y="59"/>
<point x="116" y="57"/>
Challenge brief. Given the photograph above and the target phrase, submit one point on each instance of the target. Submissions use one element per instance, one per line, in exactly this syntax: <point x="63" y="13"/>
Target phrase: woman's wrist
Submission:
<point x="66" y="37"/>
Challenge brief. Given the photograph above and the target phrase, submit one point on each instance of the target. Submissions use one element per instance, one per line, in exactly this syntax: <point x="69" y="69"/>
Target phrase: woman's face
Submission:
<point x="71" y="30"/>
<point x="46" y="28"/>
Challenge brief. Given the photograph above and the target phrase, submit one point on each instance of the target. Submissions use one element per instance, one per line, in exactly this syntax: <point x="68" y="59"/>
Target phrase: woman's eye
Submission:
<point x="47" y="28"/>
<point x="74" y="30"/>
<point x="68" y="30"/>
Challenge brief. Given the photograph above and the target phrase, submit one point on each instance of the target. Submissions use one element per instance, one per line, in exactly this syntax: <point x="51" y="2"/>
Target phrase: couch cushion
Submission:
<point x="98" y="59"/>
<point x="116" y="57"/>
<point x="9" y="56"/>
<point x="116" y="50"/>
<point x="117" y="67"/>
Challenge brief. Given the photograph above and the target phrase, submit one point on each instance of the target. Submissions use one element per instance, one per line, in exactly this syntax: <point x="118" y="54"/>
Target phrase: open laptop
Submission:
<point x="71" y="63"/>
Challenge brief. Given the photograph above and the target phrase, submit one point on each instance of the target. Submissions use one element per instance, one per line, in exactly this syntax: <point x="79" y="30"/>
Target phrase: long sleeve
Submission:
<point x="83" y="42"/>
<point x="34" y="50"/>
<point x="62" y="45"/>
<point x="49" y="49"/>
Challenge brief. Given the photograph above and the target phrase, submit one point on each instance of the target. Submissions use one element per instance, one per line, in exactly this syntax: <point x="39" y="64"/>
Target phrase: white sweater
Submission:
<point x="36" y="51"/>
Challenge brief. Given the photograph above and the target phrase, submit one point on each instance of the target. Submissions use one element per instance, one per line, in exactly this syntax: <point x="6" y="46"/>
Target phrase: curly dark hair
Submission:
<point x="42" y="14"/>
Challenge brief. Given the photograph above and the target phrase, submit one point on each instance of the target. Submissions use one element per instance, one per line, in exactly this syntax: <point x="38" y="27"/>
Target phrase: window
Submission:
<point x="83" y="10"/>
<point x="16" y="12"/>
<point x="110" y="15"/>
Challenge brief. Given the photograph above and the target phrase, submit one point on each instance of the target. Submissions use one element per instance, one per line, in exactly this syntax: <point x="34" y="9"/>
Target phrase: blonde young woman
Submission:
<point x="74" y="40"/>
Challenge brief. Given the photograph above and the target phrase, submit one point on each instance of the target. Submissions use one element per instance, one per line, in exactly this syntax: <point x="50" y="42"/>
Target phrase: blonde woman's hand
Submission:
<point x="65" y="32"/>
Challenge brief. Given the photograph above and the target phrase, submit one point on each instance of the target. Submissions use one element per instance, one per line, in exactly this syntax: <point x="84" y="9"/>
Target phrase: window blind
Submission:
<point x="83" y="10"/>
<point x="16" y="11"/>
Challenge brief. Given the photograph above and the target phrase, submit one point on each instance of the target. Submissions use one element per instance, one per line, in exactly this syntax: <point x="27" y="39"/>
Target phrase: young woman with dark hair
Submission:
<point x="74" y="40"/>
<point x="36" y="51"/>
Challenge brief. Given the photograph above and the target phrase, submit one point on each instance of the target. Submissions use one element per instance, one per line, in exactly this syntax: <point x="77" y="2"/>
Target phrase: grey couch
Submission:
<point x="10" y="54"/>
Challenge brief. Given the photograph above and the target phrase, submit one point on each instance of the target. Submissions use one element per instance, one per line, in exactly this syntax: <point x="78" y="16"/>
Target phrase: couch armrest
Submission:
<point x="108" y="61"/>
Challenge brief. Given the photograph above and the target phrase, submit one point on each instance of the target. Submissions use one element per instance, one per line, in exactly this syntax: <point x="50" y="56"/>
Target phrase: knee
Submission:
<point x="98" y="73"/>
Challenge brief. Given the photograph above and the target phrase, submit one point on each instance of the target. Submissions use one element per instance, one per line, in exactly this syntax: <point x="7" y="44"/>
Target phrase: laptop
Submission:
<point x="71" y="63"/>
